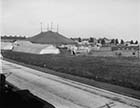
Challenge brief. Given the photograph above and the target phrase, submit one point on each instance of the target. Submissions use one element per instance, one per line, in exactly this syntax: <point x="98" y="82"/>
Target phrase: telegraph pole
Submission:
<point x="41" y="26"/>
<point x="57" y="28"/>
<point x="48" y="27"/>
<point x="51" y="26"/>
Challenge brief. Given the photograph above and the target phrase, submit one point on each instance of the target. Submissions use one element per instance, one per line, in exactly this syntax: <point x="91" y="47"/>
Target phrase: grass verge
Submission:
<point x="124" y="72"/>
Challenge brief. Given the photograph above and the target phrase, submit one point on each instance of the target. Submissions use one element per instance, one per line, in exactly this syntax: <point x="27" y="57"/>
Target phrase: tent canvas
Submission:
<point x="50" y="37"/>
<point x="28" y="47"/>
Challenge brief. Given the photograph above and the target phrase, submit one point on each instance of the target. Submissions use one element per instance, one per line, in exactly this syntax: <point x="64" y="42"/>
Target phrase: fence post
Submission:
<point x="138" y="51"/>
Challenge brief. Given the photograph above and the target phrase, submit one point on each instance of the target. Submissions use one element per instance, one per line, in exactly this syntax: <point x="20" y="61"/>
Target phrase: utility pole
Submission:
<point x="47" y="27"/>
<point x="41" y="26"/>
<point x="57" y="28"/>
<point x="51" y="26"/>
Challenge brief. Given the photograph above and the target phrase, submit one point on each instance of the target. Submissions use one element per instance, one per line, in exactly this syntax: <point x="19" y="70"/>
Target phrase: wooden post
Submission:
<point x="138" y="51"/>
<point x="2" y="83"/>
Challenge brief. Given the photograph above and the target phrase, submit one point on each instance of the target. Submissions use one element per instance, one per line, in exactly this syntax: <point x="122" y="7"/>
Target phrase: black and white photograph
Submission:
<point x="70" y="54"/>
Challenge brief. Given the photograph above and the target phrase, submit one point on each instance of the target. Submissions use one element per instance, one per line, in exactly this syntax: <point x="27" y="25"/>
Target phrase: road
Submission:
<point x="64" y="93"/>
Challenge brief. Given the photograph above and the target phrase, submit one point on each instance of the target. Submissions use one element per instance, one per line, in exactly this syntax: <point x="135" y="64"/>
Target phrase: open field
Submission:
<point x="119" y="71"/>
<point x="62" y="92"/>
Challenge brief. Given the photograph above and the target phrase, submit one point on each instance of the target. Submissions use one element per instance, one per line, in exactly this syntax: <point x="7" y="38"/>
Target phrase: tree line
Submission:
<point x="102" y="41"/>
<point x="13" y="37"/>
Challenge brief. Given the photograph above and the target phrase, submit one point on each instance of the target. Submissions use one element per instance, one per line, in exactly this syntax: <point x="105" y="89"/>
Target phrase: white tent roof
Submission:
<point x="50" y="50"/>
<point x="28" y="47"/>
<point x="6" y="45"/>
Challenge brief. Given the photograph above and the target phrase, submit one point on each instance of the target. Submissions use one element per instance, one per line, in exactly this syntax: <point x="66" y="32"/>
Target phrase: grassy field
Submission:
<point x="119" y="71"/>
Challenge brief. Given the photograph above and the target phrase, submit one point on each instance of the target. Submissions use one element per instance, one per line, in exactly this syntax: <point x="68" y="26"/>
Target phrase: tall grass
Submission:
<point x="119" y="71"/>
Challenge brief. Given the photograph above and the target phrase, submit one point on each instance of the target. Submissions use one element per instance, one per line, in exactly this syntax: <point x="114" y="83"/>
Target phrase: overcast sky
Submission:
<point x="76" y="18"/>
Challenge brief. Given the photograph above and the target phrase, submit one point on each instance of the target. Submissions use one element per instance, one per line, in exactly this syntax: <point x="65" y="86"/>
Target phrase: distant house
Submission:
<point x="75" y="39"/>
<point x="85" y="39"/>
<point x="107" y="41"/>
<point x="127" y="43"/>
<point x="93" y="41"/>
<point x="104" y="41"/>
<point x="84" y="42"/>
